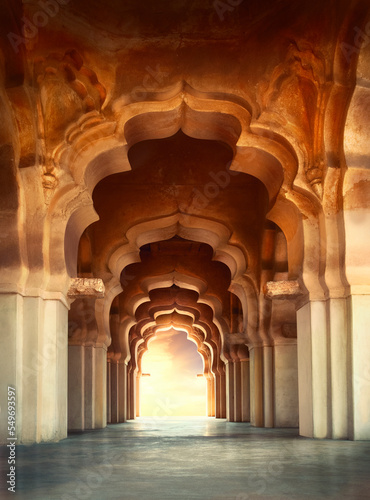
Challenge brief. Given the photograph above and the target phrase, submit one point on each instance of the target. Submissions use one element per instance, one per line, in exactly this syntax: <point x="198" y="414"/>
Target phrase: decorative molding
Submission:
<point x="282" y="289"/>
<point x="86" y="287"/>
<point x="67" y="90"/>
<point x="303" y="62"/>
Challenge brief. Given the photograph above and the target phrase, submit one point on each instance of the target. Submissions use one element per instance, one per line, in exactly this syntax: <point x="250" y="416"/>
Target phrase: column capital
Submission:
<point x="86" y="287"/>
<point x="282" y="289"/>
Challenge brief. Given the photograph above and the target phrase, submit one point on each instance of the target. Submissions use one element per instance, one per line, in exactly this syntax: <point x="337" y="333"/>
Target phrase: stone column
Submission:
<point x="223" y="393"/>
<point x="131" y="393"/>
<point x="138" y="379"/>
<point x="100" y="387"/>
<point x="268" y="388"/>
<point x="89" y="387"/>
<point x="359" y="410"/>
<point x="76" y="387"/>
<point x="85" y="367"/>
<point x="245" y="390"/>
<point x="313" y="383"/>
<point x="118" y="389"/>
<point x="237" y="391"/>
<point x="84" y="337"/>
<point x="220" y="393"/>
<point x="256" y="386"/>
<point x="114" y="393"/>
<point x="210" y="396"/>
<point x="217" y="395"/>
<point x="33" y="360"/>
<point x="122" y="399"/>
<point x="286" y="385"/>
<point x="332" y="362"/>
<point x="109" y="391"/>
<point x="339" y="345"/>
<point x="230" y="394"/>
<point x="128" y="393"/>
<point x="213" y="389"/>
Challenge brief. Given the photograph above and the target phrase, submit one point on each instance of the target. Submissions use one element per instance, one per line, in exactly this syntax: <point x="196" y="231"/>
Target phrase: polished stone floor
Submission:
<point x="186" y="459"/>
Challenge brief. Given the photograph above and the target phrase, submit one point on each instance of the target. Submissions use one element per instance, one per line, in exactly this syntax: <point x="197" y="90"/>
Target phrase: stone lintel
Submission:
<point x="282" y="289"/>
<point x="86" y="287"/>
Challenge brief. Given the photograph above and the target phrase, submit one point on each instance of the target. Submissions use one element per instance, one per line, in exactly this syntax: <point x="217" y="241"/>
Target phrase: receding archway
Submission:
<point x="170" y="381"/>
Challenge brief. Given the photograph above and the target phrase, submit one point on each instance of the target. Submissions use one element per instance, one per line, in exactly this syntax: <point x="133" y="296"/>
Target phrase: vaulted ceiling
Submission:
<point x="193" y="136"/>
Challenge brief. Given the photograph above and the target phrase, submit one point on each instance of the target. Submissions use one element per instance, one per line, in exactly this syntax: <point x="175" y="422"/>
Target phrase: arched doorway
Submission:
<point x="172" y="381"/>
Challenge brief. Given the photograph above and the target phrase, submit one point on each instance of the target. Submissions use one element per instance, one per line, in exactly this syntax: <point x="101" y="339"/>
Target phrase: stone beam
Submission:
<point x="282" y="289"/>
<point x="86" y="287"/>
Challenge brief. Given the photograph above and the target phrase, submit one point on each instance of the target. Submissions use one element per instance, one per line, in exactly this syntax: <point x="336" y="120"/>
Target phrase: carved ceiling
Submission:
<point x="171" y="137"/>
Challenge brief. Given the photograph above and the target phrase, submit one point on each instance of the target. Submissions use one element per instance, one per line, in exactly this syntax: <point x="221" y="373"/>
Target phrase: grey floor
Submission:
<point x="185" y="459"/>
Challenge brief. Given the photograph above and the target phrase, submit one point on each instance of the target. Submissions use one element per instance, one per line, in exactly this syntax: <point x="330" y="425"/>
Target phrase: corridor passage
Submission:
<point x="190" y="459"/>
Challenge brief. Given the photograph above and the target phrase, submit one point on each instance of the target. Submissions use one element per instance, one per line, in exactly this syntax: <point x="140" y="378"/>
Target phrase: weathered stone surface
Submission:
<point x="282" y="289"/>
<point x="196" y="162"/>
<point x="86" y="287"/>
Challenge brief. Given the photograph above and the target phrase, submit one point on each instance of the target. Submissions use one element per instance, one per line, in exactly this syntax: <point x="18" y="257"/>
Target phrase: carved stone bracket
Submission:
<point x="86" y="287"/>
<point x="68" y="91"/>
<point x="303" y="64"/>
<point x="282" y="289"/>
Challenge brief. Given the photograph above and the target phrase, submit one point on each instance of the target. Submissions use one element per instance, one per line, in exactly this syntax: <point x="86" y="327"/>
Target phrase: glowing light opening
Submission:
<point x="173" y="387"/>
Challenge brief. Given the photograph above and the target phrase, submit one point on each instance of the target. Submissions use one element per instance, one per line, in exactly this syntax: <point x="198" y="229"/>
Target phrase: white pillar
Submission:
<point x="76" y="392"/>
<point x="314" y="410"/>
<point x="237" y="391"/>
<point x="245" y="390"/>
<point x="360" y="367"/>
<point x="132" y="394"/>
<point x="220" y="390"/>
<point x="217" y="395"/>
<point x="100" y="387"/>
<point x="209" y="396"/>
<point x="333" y="368"/>
<point x="84" y="410"/>
<point x="339" y="367"/>
<point x="122" y="396"/>
<point x="89" y="387"/>
<point x="137" y="410"/>
<point x="114" y="392"/>
<point x="213" y="390"/>
<point x="33" y="360"/>
<point x="268" y="391"/>
<point x="230" y="396"/>
<point x="256" y="385"/>
<point x="109" y="392"/>
<point x="128" y="393"/>
<point x="286" y="385"/>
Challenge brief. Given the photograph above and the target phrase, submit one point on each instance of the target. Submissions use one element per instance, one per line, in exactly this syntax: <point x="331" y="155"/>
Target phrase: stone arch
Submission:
<point x="98" y="142"/>
<point x="129" y="319"/>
